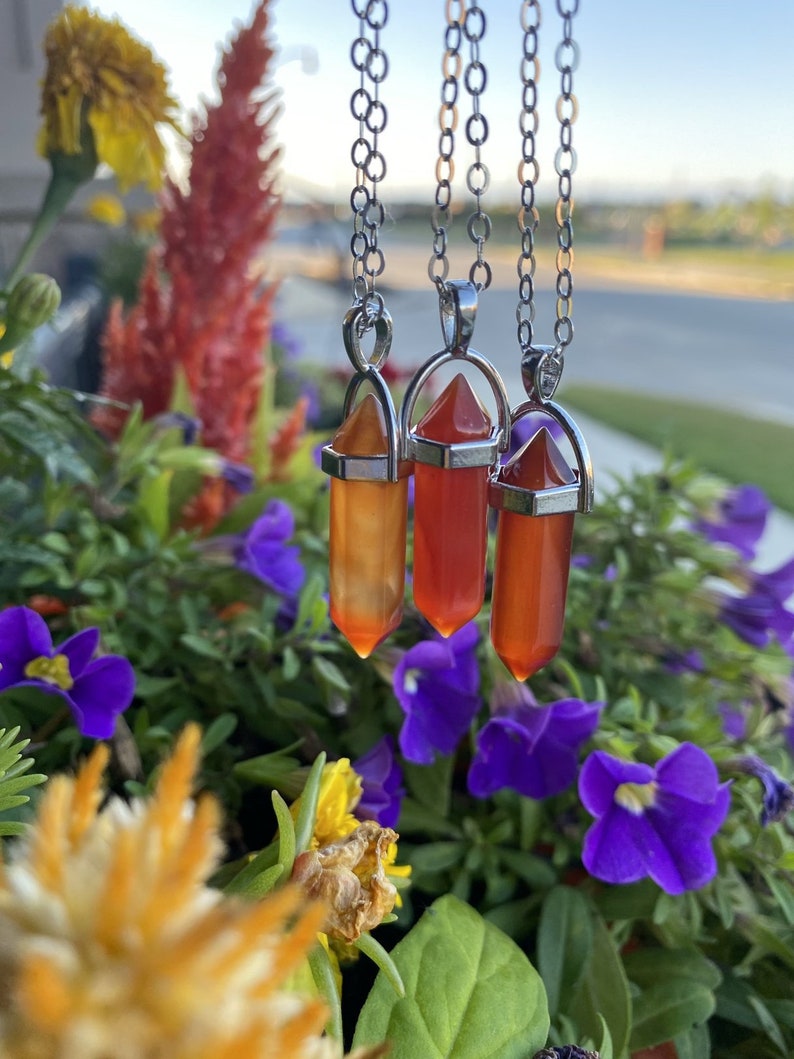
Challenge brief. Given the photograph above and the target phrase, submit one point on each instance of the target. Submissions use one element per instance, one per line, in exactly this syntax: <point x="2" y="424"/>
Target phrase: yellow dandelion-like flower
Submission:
<point x="101" y="77"/>
<point x="367" y="851"/>
<point x="112" y="944"/>
<point x="107" y="209"/>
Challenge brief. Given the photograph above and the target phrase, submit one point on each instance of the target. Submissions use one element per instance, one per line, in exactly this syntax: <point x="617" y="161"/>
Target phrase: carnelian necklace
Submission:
<point x="454" y="450"/>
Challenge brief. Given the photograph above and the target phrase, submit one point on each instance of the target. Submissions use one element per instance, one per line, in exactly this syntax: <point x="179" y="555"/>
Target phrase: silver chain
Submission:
<point x="566" y="59"/>
<point x="369" y="58"/>
<point x="468" y="23"/>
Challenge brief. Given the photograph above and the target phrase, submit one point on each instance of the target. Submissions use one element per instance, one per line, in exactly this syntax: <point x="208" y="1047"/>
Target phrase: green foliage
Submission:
<point x="96" y="534"/>
<point x="469" y="992"/>
<point x="15" y="780"/>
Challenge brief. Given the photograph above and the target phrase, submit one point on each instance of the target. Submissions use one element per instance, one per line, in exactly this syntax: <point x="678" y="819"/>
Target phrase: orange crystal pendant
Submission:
<point x="451" y="514"/>
<point x="367" y="537"/>
<point x="533" y="557"/>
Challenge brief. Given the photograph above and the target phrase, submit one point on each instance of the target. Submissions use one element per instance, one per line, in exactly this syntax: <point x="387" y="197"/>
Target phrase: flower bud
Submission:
<point x="32" y="302"/>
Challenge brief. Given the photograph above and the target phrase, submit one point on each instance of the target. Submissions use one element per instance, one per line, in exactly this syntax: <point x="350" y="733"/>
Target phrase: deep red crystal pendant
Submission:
<point x="450" y="514"/>
<point x="533" y="553"/>
<point x="367" y="535"/>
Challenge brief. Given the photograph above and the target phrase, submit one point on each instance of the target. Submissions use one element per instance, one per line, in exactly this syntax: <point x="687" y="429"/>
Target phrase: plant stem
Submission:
<point x="59" y="192"/>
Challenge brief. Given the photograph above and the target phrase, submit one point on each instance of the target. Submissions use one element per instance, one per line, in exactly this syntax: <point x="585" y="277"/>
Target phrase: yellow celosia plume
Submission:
<point x="112" y="944"/>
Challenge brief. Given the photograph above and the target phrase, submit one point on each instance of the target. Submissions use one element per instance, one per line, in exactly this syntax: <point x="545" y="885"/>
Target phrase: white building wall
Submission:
<point x="22" y="26"/>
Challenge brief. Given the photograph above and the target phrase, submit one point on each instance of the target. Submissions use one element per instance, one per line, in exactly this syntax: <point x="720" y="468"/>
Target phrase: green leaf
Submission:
<point x="647" y="966"/>
<point x="307" y="813"/>
<point x="217" y="733"/>
<point x="670" y="1007"/>
<point x="286" y="833"/>
<point x="470" y="992"/>
<point x="430" y="785"/>
<point x="153" y="495"/>
<point x="200" y="645"/>
<point x="325" y="980"/>
<point x="375" y="951"/>
<point x="604" y="1042"/>
<point x="437" y="856"/>
<point x="264" y="882"/>
<point x="603" y="991"/>
<point x="565" y="944"/>
<point x="695" y="1044"/>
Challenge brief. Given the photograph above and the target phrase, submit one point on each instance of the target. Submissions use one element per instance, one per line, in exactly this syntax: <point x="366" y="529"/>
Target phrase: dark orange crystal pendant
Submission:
<point x="537" y="495"/>
<point x="453" y="448"/>
<point x="450" y="514"/>
<point x="533" y="556"/>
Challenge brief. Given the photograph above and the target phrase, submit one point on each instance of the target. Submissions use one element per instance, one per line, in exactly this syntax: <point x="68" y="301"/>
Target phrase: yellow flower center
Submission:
<point x="53" y="671"/>
<point x="636" y="797"/>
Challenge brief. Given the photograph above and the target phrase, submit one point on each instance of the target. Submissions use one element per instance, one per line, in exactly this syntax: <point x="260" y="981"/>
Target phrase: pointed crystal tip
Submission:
<point x="363" y="433"/>
<point x="457" y="414"/>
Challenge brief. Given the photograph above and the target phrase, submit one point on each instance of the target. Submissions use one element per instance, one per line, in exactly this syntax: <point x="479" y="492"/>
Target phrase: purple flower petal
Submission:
<point x="611" y="850"/>
<point x="99" y="690"/>
<point x="104" y="690"/>
<point x="261" y="551"/>
<point x="740" y="520"/>
<point x="531" y="749"/>
<point x="602" y="774"/>
<point x="24" y="635"/>
<point x="79" y="650"/>
<point x="689" y="773"/>
<point x="653" y="821"/>
<point x="382" y="790"/>
<point x="778" y="583"/>
<point x="436" y="683"/>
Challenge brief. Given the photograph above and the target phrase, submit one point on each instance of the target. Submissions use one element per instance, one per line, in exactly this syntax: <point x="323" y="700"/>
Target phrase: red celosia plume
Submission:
<point x="202" y="307"/>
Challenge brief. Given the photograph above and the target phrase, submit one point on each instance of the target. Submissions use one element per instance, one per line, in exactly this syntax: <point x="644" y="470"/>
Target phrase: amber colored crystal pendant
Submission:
<point x="533" y="555"/>
<point x="450" y="514"/>
<point x="367" y="536"/>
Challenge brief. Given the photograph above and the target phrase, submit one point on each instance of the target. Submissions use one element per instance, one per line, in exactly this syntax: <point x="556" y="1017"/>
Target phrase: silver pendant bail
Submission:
<point x="541" y="371"/>
<point x="457" y="308"/>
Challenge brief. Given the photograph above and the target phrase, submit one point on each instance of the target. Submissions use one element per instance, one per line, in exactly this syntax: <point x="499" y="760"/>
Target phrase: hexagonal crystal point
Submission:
<point x="533" y="556"/>
<point x="367" y="537"/>
<point x="450" y="514"/>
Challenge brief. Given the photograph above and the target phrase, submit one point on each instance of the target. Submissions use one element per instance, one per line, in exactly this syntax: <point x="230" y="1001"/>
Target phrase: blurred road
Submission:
<point x="715" y="350"/>
<point x="733" y="353"/>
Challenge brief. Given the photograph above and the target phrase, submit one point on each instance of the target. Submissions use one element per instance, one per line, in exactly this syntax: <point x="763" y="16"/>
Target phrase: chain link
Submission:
<point x="370" y="60"/>
<point x="566" y="60"/>
<point x="469" y="24"/>
<point x="528" y="170"/>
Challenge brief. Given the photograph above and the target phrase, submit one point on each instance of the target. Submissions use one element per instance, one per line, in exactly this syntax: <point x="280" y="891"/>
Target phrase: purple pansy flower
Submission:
<point x="656" y="821"/>
<point x="96" y="691"/>
<point x="778" y="794"/>
<point x="756" y="617"/>
<point x="262" y="552"/>
<point x="739" y="519"/>
<point x="381" y="781"/>
<point x="436" y="683"/>
<point x="531" y="748"/>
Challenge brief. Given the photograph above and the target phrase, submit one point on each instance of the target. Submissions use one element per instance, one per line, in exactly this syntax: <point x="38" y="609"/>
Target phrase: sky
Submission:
<point x="677" y="98"/>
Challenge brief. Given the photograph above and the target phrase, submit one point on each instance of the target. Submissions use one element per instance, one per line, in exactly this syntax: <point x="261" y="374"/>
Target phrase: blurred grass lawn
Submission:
<point x="738" y="448"/>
